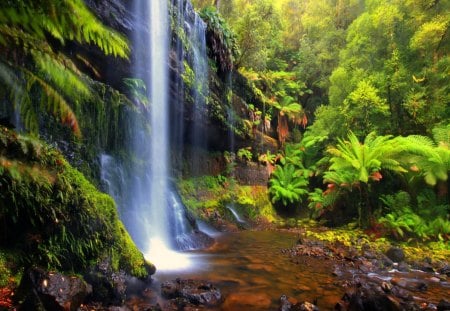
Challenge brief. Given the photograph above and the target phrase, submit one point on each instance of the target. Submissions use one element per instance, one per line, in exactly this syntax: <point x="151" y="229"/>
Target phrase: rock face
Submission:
<point x="193" y="291"/>
<point x="251" y="173"/>
<point x="45" y="290"/>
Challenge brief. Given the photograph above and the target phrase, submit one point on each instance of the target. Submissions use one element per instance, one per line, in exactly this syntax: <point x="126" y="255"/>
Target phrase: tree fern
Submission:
<point x="432" y="160"/>
<point x="362" y="160"/>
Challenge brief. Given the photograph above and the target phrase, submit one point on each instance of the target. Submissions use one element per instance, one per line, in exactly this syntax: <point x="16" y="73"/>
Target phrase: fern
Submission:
<point x="25" y="27"/>
<point x="286" y="185"/>
<point x="441" y="135"/>
<point x="431" y="159"/>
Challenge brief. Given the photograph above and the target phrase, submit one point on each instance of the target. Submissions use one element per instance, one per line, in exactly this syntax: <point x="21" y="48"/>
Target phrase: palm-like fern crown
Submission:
<point x="29" y="63"/>
<point x="430" y="157"/>
<point x="356" y="162"/>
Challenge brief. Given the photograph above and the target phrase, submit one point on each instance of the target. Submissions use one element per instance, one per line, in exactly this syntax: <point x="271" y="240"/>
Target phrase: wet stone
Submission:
<point x="52" y="290"/>
<point x="395" y="254"/>
<point x="443" y="305"/>
<point x="196" y="292"/>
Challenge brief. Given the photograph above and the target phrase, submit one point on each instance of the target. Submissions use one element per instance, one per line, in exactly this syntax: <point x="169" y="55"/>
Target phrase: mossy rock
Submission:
<point x="53" y="216"/>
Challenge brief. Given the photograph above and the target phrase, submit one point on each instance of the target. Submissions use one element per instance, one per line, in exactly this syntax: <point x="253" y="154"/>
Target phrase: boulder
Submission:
<point x="44" y="290"/>
<point x="109" y="288"/>
<point x="395" y="254"/>
<point x="443" y="305"/>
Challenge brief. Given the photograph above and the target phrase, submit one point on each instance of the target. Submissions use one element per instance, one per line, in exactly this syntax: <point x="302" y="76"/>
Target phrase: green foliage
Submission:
<point x="222" y="40"/>
<point x="208" y="195"/>
<point x="245" y="154"/>
<point x="431" y="159"/>
<point x="138" y="90"/>
<point x="355" y="165"/>
<point x="53" y="216"/>
<point x="401" y="50"/>
<point x="281" y="89"/>
<point x="353" y="162"/>
<point x="287" y="185"/>
<point x="423" y="222"/>
<point x="32" y="31"/>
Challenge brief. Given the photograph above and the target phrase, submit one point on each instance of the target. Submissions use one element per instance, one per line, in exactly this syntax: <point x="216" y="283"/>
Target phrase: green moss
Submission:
<point x="356" y="238"/>
<point x="206" y="195"/>
<point x="53" y="216"/>
<point x="10" y="274"/>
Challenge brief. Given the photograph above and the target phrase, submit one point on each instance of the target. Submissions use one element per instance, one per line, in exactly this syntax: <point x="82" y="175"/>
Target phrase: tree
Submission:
<point x="401" y="49"/>
<point x="356" y="165"/>
<point x="257" y="27"/>
<point x="364" y="110"/>
<point x="33" y="62"/>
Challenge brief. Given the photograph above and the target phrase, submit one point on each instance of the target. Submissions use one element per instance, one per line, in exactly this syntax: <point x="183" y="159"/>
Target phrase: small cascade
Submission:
<point x="231" y="118"/>
<point x="112" y="177"/>
<point x="236" y="215"/>
<point x="195" y="29"/>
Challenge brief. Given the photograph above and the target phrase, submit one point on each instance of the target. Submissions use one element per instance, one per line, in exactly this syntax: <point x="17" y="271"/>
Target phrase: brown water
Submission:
<point x="252" y="272"/>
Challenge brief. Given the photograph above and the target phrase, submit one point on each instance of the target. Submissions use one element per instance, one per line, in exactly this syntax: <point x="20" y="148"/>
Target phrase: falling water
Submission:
<point x="150" y="207"/>
<point x="196" y="31"/>
<point x="159" y="32"/>
<point x="236" y="215"/>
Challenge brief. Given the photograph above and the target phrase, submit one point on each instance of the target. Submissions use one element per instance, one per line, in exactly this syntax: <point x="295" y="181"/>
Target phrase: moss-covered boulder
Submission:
<point x="53" y="217"/>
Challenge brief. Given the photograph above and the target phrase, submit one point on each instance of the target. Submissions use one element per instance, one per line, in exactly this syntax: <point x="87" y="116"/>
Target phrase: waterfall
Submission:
<point x="159" y="144"/>
<point x="148" y="204"/>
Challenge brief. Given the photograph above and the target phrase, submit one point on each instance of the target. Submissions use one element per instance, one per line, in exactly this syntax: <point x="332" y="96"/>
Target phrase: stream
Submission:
<point x="252" y="273"/>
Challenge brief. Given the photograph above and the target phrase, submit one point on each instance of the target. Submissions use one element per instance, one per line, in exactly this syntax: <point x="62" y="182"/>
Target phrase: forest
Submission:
<point x="358" y="94"/>
<point x="314" y="134"/>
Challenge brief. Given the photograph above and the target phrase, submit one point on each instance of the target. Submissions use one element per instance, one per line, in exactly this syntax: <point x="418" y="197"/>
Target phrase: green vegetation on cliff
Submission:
<point x="207" y="197"/>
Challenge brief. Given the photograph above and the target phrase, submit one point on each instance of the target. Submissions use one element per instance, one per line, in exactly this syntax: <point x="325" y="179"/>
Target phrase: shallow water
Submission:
<point x="252" y="272"/>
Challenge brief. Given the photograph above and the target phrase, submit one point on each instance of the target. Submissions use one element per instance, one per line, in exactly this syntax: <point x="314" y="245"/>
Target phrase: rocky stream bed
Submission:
<point x="255" y="270"/>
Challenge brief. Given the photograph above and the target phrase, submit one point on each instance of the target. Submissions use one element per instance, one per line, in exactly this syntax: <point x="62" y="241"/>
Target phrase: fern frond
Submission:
<point x="55" y="102"/>
<point x="441" y="135"/>
<point x="62" y="77"/>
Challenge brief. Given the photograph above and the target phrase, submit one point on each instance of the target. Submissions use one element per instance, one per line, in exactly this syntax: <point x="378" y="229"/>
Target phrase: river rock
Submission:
<point x="286" y="305"/>
<point x="44" y="290"/>
<point x="445" y="270"/>
<point x="194" y="291"/>
<point x="375" y="297"/>
<point x="443" y="305"/>
<point x="396" y="254"/>
<point x="409" y="284"/>
<point x="109" y="287"/>
<point x="403" y="267"/>
<point x="386" y="261"/>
